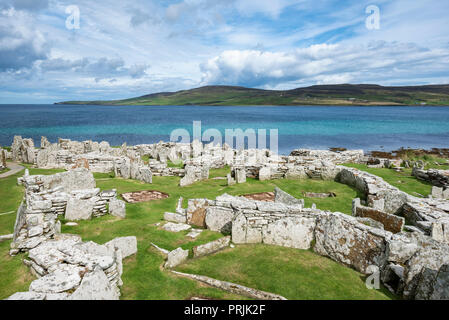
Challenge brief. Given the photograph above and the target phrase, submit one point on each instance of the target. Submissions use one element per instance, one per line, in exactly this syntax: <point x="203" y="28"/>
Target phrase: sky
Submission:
<point x="128" y="48"/>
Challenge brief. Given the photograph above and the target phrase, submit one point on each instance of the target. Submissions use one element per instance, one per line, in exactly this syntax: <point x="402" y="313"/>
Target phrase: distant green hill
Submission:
<point x="344" y="94"/>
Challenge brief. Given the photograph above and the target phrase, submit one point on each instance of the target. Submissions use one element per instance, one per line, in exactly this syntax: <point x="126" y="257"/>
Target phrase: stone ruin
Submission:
<point x="300" y="164"/>
<point x="3" y="157"/>
<point x="410" y="264"/>
<point x="67" y="268"/>
<point x="439" y="179"/>
<point x="196" y="159"/>
<point x="71" y="194"/>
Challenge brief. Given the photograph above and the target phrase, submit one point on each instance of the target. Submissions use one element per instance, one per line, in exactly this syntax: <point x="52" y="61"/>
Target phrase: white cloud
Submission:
<point x="20" y="44"/>
<point x="324" y="64"/>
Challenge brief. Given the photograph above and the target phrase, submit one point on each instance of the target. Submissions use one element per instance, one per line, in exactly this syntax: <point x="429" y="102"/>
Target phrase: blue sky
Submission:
<point x="129" y="48"/>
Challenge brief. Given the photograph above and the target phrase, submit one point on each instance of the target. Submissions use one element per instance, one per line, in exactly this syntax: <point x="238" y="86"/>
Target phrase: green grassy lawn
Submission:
<point x="4" y="170"/>
<point x="292" y="273"/>
<point x="143" y="277"/>
<point x="402" y="180"/>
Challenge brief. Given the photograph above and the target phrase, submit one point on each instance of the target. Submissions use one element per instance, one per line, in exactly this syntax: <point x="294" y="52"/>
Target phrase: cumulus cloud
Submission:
<point x="325" y="63"/>
<point x="20" y="44"/>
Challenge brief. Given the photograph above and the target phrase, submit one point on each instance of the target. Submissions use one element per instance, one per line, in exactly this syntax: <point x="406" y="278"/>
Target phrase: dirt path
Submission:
<point x="13" y="169"/>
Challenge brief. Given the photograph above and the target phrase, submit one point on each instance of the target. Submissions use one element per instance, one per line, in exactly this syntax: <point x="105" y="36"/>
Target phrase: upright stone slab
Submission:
<point x="117" y="208"/>
<point x="283" y="197"/>
<point x="79" y="209"/>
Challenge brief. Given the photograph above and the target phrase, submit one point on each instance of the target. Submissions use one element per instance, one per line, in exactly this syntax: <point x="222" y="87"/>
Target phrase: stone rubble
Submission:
<point x="69" y="269"/>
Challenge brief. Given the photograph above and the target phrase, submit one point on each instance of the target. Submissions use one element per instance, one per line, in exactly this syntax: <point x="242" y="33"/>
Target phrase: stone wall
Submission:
<point x="423" y="213"/>
<point x="71" y="193"/>
<point x="410" y="264"/>
<point x="389" y="222"/>
<point x="437" y="178"/>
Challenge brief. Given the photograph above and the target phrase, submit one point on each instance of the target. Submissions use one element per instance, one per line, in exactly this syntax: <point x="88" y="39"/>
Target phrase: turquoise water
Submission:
<point x="368" y="128"/>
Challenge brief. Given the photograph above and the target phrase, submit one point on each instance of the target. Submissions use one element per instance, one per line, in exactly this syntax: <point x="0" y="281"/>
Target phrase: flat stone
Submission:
<point x="285" y="198"/>
<point x="127" y="245"/>
<point x="175" y="217"/>
<point x="194" y="233"/>
<point x="27" y="296"/>
<point x="176" y="227"/>
<point x="95" y="286"/>
<point x="58" y="281"/>
<point x="211" y="247"/>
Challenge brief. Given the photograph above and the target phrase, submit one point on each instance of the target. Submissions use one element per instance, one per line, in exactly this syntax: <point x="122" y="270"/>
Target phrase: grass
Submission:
<point x="432" y="162"/>
<point x="402" y="180"/>
<point x="171" y="164"/>
<point x="143" y="277"/>
<point x="365" y="95"/>
<point x="4" y="170"/>
<point x="292" y="273"/>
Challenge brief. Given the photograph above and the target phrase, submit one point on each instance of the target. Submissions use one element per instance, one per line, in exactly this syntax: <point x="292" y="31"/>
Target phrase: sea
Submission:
<point x="371" y="128"/>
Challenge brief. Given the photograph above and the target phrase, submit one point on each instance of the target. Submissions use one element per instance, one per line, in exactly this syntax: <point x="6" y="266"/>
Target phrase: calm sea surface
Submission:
<point x="368" y="128"/>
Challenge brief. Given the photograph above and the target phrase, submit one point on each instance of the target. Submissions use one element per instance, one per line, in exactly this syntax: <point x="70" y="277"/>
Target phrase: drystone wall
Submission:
<point x="437" y="178"/>
<point x="72" y="194"/>
<point x="429" y="215"/>
<point x="410" y="264"/>
<point x="67" y="268"/>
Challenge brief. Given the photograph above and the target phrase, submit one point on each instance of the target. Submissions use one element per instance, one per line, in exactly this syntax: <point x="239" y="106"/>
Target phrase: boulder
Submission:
<point x="176" y="257"/>
<point x="95" y="286"/>
<point x="117" y="208"/>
